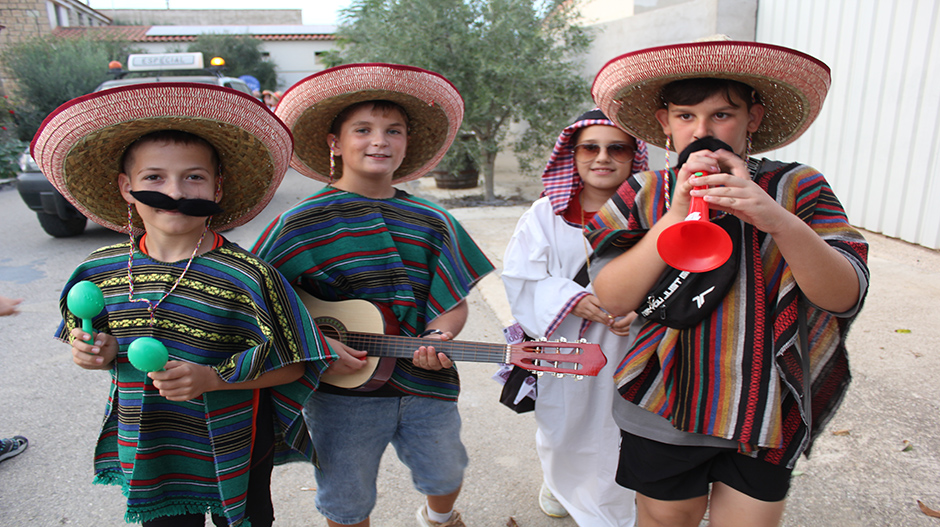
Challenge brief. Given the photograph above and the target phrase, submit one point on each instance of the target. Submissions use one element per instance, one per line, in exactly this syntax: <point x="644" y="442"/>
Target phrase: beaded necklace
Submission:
<point x="152" y="306"/>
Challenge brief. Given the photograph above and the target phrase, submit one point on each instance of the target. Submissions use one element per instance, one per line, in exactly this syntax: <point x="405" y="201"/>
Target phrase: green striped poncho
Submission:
<point x="404" y="253"/>
<point x="231" y="311"/>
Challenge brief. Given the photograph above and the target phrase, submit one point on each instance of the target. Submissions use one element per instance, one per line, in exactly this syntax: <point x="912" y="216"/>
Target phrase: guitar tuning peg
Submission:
<point x="562" y="339"/>
<point x="539" y="373"/>
<point x="578" y="377"/>
<point x="559" y="375"/>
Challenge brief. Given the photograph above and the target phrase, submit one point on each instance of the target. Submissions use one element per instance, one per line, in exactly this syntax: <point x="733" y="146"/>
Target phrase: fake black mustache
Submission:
<point x="705" y="143"/>
<point x="189" y="207"/>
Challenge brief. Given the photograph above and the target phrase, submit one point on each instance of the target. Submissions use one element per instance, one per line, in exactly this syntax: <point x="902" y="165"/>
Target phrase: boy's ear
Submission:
<point x="124" y="184"/>
<point x="755" y="116"/>
<point x="662" y="115"/>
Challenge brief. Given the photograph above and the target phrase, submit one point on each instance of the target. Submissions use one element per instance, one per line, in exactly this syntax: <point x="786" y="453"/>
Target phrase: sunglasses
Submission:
<point x="619" y="152"/>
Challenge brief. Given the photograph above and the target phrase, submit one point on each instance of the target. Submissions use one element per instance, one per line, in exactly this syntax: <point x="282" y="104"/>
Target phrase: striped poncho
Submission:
<point x="231" y="311"/>
<point x="738" y="374"/>
<point x="403" y="253"/>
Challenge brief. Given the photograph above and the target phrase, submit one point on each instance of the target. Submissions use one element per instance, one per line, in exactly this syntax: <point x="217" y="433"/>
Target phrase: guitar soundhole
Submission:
<point x="331" y="327"/>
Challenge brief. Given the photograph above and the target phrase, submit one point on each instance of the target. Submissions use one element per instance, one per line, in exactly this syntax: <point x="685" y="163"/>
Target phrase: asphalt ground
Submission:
<point x="878" y="456"/>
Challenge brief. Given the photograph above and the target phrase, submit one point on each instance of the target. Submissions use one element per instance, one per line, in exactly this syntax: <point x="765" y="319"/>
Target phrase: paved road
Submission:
<point x="861" y="478"/>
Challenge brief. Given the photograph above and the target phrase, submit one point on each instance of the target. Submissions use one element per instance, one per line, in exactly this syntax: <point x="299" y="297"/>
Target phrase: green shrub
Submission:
<point x="10" y="151"/>
<point x="50" y="71"/>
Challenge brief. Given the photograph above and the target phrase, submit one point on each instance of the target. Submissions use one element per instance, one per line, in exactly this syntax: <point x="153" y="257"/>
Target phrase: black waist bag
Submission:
<point x="681" y="299"/>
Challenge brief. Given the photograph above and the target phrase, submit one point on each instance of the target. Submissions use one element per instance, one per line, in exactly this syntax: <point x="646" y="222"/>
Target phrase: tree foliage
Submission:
<point x="242" y="54"/>
<point x="49" y="71"/>
<point x="512" y="60"/>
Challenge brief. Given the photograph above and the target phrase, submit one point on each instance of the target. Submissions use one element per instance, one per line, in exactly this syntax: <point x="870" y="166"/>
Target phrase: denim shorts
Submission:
<point x="350" y="434"/>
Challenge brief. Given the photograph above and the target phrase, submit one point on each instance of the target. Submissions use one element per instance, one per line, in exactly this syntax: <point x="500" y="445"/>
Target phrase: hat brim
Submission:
<point x="792" y="86"/>
<point x="434" y="107"/>
<point x="79" y="146"/>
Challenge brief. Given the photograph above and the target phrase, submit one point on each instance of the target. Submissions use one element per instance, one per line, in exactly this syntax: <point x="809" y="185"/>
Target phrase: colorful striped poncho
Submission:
<point x="404" y="253"/>
<point x="738" y="374"/>
<point x="231" y="311"/>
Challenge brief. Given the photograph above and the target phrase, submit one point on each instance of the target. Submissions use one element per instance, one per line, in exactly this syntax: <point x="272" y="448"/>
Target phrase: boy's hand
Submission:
<point x="589" y="308"/>
<point x="734" y="192"/>
<point x="427" y="358"/>
<point x="621" y="325"/>
<point x="8" y="306"/>
<point x="182" y="381"/>
<point x="350" y="360"/>
<point x="95" y="356"/>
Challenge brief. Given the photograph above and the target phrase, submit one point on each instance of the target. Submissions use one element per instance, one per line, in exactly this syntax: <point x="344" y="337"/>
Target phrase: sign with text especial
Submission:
<point x="164" y="61"/>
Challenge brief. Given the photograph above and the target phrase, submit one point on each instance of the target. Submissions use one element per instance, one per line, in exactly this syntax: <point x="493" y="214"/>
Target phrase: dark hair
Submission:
<point x="688" y="92"/>
<point x="379" y="105"/>
<point x="176" y="137"/>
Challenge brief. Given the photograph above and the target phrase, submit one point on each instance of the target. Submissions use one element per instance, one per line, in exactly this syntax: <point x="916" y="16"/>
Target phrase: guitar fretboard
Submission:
<point x="404" y="347"/>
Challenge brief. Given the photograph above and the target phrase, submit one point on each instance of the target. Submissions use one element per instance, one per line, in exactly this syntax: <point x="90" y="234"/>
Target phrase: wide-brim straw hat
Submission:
<point x="80" y="145"/>
<point x="791" y="85"/>
<point x="434" y="107"/>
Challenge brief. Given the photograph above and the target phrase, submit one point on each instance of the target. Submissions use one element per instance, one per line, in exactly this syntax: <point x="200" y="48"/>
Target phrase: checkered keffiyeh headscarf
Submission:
<point x="561" y="179"/>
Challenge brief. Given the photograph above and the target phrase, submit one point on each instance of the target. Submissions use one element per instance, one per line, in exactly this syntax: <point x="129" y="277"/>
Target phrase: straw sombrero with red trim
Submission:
<point x="434" y="107"/>
<point x="79" y="146"/>
<point x="792" y="86"/>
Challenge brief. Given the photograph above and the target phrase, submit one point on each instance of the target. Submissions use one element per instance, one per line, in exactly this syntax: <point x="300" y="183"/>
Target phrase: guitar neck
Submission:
<point x="404" y="347"/>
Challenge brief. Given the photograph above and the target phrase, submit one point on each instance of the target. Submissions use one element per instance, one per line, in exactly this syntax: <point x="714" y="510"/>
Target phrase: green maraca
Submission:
<point x="85" y="301"/>
<point x="147" y="354"/>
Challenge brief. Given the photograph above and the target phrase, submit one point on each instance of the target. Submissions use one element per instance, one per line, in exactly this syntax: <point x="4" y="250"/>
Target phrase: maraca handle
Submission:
<point x="87" y="327"/>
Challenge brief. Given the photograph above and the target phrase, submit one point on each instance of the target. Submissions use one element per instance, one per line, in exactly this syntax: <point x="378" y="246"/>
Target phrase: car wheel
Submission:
<point x="59" y="228"/>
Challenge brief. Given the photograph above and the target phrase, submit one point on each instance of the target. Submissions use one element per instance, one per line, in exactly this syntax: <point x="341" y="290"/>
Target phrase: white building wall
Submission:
<point x="297" y="59"/>
<point x="877" y="139"/>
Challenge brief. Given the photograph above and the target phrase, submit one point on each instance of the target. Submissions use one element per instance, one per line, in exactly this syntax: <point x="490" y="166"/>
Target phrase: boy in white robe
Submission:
<point x="577" y="439"/>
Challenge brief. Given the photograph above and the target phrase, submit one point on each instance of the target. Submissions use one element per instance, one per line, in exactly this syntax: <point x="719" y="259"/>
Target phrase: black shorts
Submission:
<point x="674" y="472"/>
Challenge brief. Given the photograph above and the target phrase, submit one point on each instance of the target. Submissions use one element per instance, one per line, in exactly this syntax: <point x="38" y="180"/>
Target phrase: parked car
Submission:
<point x="56" y="215"/>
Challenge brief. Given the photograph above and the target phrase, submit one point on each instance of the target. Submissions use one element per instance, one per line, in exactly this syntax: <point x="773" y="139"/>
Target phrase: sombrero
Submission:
<point x="433" y="105"/>
<point x="79" y="146"/>
<point x="792" y="86"/>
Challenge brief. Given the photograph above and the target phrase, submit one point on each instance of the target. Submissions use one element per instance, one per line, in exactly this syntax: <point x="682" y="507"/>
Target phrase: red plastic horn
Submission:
<point x="695" y="244"/>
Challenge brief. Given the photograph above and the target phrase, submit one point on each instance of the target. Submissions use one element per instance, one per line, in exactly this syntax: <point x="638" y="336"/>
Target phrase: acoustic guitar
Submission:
<point x="361" y="325"/>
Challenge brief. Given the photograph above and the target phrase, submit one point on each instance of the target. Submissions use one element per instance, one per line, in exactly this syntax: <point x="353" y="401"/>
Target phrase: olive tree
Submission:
<point x="513" y="61"/>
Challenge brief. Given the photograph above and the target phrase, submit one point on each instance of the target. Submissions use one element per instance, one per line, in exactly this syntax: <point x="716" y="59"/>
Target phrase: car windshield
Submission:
<point x="207" y="79"/>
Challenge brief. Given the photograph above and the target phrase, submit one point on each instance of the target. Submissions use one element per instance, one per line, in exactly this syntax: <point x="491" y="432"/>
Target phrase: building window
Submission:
<point x="61" y="16"/>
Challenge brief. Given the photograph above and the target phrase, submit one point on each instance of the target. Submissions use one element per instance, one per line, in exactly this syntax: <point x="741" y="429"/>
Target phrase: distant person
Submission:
<point x="715" y="415"/>
<point x="202" y="434"/>
<point x="362" y="128"/>
<point x="11" y="446"/>
<point x="271" y="98"/>
<point x="577" y="438"/>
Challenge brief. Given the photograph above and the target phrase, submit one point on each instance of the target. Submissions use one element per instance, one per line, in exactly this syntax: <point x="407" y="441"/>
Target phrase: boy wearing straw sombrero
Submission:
<point x="363" y="128"/>
<point x="715" y="416"/>
<point x="168" y="163"/>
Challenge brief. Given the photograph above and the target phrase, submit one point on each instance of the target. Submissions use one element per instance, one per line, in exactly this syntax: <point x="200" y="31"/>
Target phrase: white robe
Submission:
<point x="577" y="440"/>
